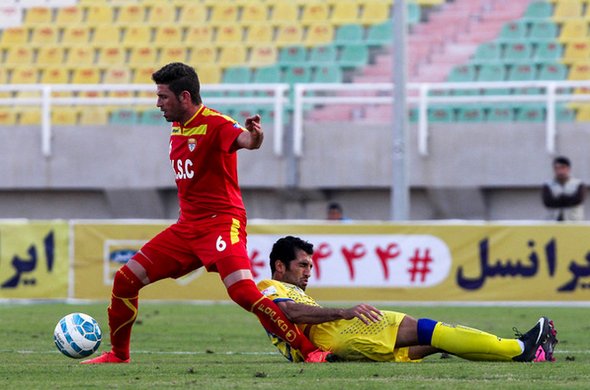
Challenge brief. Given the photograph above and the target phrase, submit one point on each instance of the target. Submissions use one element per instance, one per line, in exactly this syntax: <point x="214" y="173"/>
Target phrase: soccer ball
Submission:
<point x="77" y="335"/>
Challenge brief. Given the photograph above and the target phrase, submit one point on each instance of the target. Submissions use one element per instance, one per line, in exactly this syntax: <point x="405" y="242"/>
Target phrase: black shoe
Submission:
<point x="548" y="346"/>
<point x="533" y="339"/>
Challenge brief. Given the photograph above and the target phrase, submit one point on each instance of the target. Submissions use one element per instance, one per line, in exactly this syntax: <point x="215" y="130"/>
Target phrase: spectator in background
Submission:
<point x="564" y="195"/>
<point x="335" y="212"/>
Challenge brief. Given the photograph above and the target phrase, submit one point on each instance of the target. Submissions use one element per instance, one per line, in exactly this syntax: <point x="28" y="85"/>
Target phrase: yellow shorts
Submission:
<point x="353" y="340"/>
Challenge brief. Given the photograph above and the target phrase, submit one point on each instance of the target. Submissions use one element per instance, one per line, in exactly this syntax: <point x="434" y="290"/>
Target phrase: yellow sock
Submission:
<point x="473" y="344"/>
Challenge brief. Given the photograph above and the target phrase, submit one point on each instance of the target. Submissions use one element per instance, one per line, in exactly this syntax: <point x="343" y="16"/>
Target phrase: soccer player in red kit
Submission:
<point x="211" y="228"/>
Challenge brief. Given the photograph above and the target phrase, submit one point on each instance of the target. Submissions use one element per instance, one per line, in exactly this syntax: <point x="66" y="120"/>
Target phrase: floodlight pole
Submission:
<point x="400" y="191"/>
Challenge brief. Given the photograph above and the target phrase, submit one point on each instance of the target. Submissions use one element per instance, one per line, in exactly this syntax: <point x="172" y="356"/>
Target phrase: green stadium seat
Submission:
<point x="297" y="74"/>
<point x="487" y="52"/>
<point x="470" y="113"/>
<point x="563" y="113"/>
<point x="552" y="71"/>
<point x="460" y="74"/>
<point x="414" y="13"/>
<point x="518" y="52"/>
<point x="543" y="31"/>
<point x="323" y="54"/>
<point x="523" y="72"/>
<point x="513" y="31"/>
<point x="548" y="51"/>
<point x="237" y="75"/>
<point x="493" y="72"/>
<point x="123" y="116"/>
<point x="441" y="114"/>
<point x="292" y="55"/>
<point x="500" y="112"/>
<point x="348" y="34"/>
<point x="538" y="9"/>
<point x="354" y="56"/>
<point x="327" y="74"/>
<point x="267" y="74"/>
<point x="380" y="34"/>
<point x="151" y="117"/>
<point x="530" y="112"/>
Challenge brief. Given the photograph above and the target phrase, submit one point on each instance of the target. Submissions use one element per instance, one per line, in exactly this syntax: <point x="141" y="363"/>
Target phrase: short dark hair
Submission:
<point x="284" y="250"/>
<point x="334" y="206"/>
<point x="179" y="77"/>
<point x="562" y="160"/>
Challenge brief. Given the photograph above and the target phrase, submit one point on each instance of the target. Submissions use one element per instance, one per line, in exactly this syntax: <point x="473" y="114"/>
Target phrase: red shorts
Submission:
<point x="218" y="243"/>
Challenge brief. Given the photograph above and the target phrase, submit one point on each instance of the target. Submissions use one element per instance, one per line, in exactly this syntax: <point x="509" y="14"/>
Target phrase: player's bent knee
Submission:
<point x="244" y="293"/>
<point x="126" y="283"/>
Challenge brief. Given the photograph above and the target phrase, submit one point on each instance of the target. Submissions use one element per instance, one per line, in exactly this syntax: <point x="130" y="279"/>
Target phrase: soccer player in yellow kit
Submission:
<point x="364" y="332"/>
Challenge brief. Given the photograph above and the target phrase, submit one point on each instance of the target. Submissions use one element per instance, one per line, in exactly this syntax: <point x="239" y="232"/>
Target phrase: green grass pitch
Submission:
<point x="222" y="347"/>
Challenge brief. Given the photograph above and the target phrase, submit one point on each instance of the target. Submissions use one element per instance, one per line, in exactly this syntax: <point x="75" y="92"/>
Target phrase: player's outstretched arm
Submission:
<point x="251" y="139"/>
<point x="305" y="314"/>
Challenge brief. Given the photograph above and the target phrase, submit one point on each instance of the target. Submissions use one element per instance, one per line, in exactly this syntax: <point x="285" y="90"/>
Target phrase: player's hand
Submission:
<point x="363" y="312"/>
<point x="253" y="126"/>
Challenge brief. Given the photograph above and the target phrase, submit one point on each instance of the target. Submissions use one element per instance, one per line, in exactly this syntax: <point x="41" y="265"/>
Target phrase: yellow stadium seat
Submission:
<point x="38" y="15"/>
<point x="30" y="116"/>
<point x="223" y="12"/>
<point x="64" y="115"/>
<point x="254" y="12"/>
<point x="24" y="75"/>
<point x="69" y="15"/>
<point x="86" y="75"/>
<point x="320" y="33"/>
<point x="576" y="51"/>
<point x="566" y="9"/>
<point x="583" y="114"/>
<point x="80" y="56"/>
<point x="345" y="12"/>
<point x="75" y="35"/>
<point x="209" y="74"/>
<point x="118" y="75"/>
<point x="192" y="13"/>
<point x="137" y="34"/>
<point x="284" y="12"/>
<point x="14" y="36"/>
<point x="579" y="71"/>
<point x="263" y="55"/>
<point x="314" y="12"/>
<point x="259" y="33"/>
<point x="50" y="55"/>
<point x="168" y="34"/>
<point x="93" y="115"/>
<point x="375" y="11"/>
<point x="55" y="75"/>
<point x="44" y="35"/>
<point x="228" y="33"/>
<point x="161" y="13"/>
<point x="143" y="55"/>
<point x="106" y="34"/>
<point x="111" y="55"/>
<point x="7" y="116"/>
<point x="131" y="13"/>
<point x="574" y="30"/>
<point x="17" y="56"/>
<point x="289" y="34"/>
<point x="99" y="14"/>
<point x="232" y="55"/>
<point x="143" y="74"/>
<point x="205" y="54"/>
<point x="175" y="53"/>
<point x="199" y="34"/>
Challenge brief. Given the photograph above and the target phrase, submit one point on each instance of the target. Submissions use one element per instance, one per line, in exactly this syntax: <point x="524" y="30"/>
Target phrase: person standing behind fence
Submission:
<point x="564" y="195"/>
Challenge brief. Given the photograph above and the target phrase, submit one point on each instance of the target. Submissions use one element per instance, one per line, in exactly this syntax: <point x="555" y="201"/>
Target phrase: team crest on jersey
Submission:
<point x="192" y="144"/>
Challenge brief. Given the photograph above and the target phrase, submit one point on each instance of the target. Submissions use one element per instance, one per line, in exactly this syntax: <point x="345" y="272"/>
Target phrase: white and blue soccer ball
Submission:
<point x="77" y="335"/>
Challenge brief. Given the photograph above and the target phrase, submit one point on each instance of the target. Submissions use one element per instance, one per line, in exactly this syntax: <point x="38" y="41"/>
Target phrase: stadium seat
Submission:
<point x="414" y="13"/>
<point x="117" y="75"/>
<point x="168" y="34"/>
<point x="493" y="72"/>
<point x="44" y="35"/>
<point x="319" y="33"/>
<point x="55" y="75"/>
<point x="267" y="75"/>
<point x="64" y="115"/>
<point x="106" y="34"/>
<point x="151" y="117"/>
<point x="111" y="56"/>
<point x="552" y="71"/>
<point x="75" y="35"/>
<point x="18" y="56"/>
<point x="470" y="113"/>
<point x="123" y="116"/>
<point x="513" y="31"/>
<point x="228" y="33"/>
<point x="24" y="75"/>
<point x="322" y="54"/>
<point x="7" y="116"/>
<point x="99" y="15"/>
<point x="192" y="14"/>
<point x="86" y="75"/>
<point x="354" y="56"/>
<point x="538" y="9"/>
<point x="284" y="12"/>
<point x="262" y="55"/>
<point x="583" y="113"/>
<point x="14" y="36"/>
<point x="50" y="55"/>
<point x="131" y="13"/>
<point x="237" y="75"/>
<point x="38" y="15"/>
<point x="579" y="71"/>
<point x="224" y="12"/>
<point x="254" y="12"/>
<point x="462" y="73"/>
<point x="136" y="34"/>
<point x="518" y="52"/>
<point x="259" y="33"/>
<point x="292" y="55"/>
<point x="576" y="51"/>
<point x="180" y="53"/>
<point x="548" y="51"/>
<point x="574" y="30"/>
<point x="209" y="74"/>
<point x="563" y="113"/>
<point x="198" y="34"/>
<point x="567" y="9"/>
<point x="327" y="74"/>
<point x="542" y="31"/>
<point x="375" y="11"/>
<point x="441" y="114"/>
<point x="289" y="34"/>
<point x="161" y="13"/>
<point x="487" y="52"/>
<point x="314" y="12"/>
<point x="345" y="12"/>
<point x="142" y="74"/>
<point x="530" y="113"/>
<point x="67" y="16"/>
<point x="93" y="116"/>
<point x="349" y="34"/>
<point x="297" y="74"/>
<point x="142" y="55"/>
<point x="80" y="56"/>
<point x="232" y="55"/>
<point x="523" y="72"/>
<point x="501" y="112"/>
<point x="379" y="34"/>
<point x="29" y="116"/>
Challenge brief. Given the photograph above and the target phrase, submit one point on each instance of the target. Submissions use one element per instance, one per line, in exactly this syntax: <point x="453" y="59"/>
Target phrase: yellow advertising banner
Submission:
<point x="376" y="262"/>
<point x="34" y="259"/>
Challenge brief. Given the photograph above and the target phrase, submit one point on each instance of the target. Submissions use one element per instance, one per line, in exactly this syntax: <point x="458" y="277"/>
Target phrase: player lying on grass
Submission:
<point x="365" y="333"/>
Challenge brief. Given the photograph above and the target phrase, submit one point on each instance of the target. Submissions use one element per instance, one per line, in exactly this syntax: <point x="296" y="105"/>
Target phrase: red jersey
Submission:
<point x="205" y="165"/>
